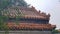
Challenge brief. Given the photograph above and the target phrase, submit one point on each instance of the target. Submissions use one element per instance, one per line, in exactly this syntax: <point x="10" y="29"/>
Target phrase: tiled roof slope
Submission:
<point x="32" y="26"/>
<point x="27" y="12"/>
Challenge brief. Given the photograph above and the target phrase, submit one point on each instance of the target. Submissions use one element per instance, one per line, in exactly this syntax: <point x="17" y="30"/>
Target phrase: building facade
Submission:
<point x="27" y="18"/>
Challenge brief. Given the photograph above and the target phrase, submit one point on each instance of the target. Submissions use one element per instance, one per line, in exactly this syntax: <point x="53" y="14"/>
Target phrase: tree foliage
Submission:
<point x="55" y="31"/>
<point x="19" y="3"/>
<point x="5" y="3"/>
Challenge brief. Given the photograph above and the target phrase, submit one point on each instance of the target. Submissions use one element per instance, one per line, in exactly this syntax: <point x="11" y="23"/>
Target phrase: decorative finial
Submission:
<point x="48" y="15"/>
<point x="39" y="11"/>
<point x="33" y="7"/>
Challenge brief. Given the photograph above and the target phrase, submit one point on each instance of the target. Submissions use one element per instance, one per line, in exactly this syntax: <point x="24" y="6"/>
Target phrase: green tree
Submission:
<point x="5" y="3"/>
<point x="55" y="31"/>
<point x="2" y="22"/>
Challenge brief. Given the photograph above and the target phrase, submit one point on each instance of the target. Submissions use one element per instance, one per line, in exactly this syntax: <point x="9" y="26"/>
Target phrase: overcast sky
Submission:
<point x="48" y="6"/>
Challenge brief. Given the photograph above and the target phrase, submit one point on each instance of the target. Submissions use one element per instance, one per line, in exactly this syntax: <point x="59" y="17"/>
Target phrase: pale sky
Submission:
<point x="48" y="6"/>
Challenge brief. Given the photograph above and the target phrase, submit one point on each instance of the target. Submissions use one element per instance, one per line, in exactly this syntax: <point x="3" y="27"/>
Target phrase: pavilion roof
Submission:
<point x="26" y="12"/>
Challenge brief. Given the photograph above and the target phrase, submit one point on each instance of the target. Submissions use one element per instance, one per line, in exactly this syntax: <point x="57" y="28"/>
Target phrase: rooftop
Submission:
<point x="26" y="12"/>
